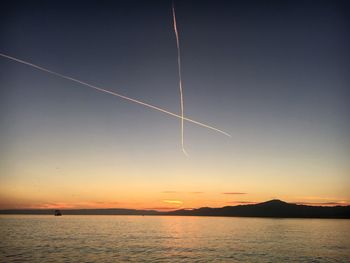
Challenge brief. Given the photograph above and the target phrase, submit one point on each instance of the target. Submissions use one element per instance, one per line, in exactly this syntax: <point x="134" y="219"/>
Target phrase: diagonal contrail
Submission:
<point x="114" y="94"/>
<point x="180" y="79"/>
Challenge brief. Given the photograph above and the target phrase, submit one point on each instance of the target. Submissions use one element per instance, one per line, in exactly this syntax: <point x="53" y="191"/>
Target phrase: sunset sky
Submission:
<point x="273" y="74"/>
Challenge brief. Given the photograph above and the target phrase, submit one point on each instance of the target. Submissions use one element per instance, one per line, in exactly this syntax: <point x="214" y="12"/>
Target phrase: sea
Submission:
<point x="45" y="238"/>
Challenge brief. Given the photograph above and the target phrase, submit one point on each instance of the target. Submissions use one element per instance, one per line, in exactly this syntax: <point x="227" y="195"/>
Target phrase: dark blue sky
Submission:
<point x="274" y="74"/>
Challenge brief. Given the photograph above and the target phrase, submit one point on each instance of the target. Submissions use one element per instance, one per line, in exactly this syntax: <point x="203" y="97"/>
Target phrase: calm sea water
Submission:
<point x="172" y="239"/>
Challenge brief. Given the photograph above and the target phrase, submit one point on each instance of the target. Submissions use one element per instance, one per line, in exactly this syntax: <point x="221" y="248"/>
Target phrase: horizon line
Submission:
<point x="170" y="209"/>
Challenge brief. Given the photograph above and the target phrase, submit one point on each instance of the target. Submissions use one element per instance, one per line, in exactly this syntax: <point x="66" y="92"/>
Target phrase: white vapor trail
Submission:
<point x="180" y="79"/>
<point x="114" y="93"/>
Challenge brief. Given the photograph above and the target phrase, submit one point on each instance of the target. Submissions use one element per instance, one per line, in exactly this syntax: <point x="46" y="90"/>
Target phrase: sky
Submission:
<point x="273" y="74"/>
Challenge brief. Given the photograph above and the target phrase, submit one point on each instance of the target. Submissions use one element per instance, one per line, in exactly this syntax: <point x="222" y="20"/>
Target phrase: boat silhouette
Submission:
<point x="58" y="213"/>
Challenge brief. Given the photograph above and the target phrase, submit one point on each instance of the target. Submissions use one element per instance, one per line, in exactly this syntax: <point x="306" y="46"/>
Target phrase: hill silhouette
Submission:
<point x="273" y="208"/>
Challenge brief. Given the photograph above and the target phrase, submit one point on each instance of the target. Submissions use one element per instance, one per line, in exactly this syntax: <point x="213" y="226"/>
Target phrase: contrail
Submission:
<point x="114" y="94"/>
<point x="180" y="80"/>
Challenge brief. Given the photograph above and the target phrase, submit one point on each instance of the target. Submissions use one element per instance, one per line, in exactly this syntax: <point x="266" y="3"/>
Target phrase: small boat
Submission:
<point x="58" y="213"/>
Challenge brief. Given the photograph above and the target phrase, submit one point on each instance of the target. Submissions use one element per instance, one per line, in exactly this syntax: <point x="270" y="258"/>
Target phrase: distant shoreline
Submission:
<point x="269" y="209"/>
<point x="214" y="216"/>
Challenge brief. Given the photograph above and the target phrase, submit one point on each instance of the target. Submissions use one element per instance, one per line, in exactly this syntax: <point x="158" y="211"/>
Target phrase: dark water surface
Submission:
<point x="172" y="239"/>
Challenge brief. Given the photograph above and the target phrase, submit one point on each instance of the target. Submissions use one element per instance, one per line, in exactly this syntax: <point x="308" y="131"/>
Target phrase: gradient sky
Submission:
<point x="274" y="74"/>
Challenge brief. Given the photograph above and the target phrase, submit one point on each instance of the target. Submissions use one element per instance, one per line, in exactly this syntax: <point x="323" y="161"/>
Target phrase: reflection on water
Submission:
<point x="161" y="238"/>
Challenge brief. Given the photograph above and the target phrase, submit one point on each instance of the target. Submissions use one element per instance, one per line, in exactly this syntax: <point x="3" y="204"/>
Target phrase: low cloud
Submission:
<point x="176" y="202"/>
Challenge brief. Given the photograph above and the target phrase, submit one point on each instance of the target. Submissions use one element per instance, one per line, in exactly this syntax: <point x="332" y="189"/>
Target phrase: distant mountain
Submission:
<point x="272" y="208"/>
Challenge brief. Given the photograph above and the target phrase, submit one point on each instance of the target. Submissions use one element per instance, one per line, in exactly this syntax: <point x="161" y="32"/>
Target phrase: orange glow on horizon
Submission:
<point x="177" y="202"/>
<point x="155" y="205"/>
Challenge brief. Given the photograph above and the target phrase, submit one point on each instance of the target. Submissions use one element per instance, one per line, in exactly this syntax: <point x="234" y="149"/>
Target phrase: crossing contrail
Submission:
<point x="180" y="79"/>
<point x="114" y="94"/>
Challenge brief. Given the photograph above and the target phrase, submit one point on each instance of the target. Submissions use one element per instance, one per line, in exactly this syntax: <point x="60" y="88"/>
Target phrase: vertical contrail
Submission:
<point x="180" y="79"/>
<point x="113" y="93"/>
